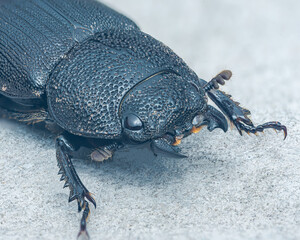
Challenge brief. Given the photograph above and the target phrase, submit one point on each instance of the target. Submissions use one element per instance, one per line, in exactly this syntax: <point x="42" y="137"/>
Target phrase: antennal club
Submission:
<point x="219" y="79"/>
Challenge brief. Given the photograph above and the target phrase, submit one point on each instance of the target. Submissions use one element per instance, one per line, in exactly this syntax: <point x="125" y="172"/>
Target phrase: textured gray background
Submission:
<point x="230" y="187"/>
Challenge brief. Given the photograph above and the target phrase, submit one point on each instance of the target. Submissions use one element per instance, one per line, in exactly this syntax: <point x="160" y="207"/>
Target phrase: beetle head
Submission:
<point x="163" y="108"/>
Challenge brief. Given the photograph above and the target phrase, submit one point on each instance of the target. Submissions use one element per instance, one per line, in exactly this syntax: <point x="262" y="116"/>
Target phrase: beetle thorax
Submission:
<point x="164" y="103"/>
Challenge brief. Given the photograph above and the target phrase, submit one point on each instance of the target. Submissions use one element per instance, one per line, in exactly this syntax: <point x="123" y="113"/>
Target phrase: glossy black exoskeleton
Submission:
<point x="97" y="80"/>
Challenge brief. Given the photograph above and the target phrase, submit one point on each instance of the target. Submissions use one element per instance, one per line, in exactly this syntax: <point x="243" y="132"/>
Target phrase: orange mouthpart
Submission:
<point x="177" y="142"/>
<point x="196" y="129"/>
<point x="193" y="130"/>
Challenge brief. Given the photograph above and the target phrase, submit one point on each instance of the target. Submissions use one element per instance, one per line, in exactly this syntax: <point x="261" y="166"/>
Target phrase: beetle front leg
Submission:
<point x="77" y="190"/>
<point x="237" y="115"/>
<point x="83" y="234"/>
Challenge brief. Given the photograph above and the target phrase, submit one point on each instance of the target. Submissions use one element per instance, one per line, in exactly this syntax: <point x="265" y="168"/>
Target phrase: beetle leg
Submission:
<point x="260" y="128"/>
<point x="30" y="117"/>
<point x="77" y="190"/>
<point x="230" y="108"/>
<point x="83" y="234"/>
<point x="238" y="115"/>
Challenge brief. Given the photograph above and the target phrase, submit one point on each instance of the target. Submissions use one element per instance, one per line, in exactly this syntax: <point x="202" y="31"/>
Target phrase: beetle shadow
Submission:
<point x="134" y="166"/>
<point x="139" y="167"/>
<point x="131" y="165"/>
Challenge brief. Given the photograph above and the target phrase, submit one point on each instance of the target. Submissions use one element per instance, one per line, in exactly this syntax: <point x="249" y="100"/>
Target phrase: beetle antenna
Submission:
<point x="219" y="79"/>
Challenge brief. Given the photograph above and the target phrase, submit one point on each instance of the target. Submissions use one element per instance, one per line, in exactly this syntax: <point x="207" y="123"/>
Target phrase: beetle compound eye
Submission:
<point x="132" y="122"/>
<point x="198" y="119"/>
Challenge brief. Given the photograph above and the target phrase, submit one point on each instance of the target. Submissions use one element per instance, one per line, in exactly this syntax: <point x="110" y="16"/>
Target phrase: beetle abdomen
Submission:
<point x="36" y="34"/>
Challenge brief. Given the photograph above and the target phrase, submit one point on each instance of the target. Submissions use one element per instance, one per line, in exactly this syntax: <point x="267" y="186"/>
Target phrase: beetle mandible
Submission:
<point x="93" y="77"/>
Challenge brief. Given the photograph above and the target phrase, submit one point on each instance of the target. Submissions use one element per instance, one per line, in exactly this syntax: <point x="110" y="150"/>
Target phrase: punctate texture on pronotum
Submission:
<point x="95" y="79"/>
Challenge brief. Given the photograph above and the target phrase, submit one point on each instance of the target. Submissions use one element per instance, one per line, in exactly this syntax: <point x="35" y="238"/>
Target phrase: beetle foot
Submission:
<point x="242" y="126"/>
<point x="83" y="234"/>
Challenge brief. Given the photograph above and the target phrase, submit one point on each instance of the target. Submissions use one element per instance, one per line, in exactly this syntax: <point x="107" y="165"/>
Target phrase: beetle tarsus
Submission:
<point x="77" y="190"/>
<point x="260" y="128"/>
<point x="83" y="234"/>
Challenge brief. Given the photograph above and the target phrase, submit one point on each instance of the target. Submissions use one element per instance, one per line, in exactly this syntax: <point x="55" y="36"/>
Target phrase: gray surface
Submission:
<point x="230" y="187"/>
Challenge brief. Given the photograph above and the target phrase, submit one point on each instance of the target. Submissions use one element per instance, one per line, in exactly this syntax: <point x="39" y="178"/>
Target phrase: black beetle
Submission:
<point x="93" y="77"/>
